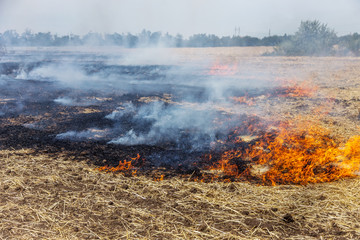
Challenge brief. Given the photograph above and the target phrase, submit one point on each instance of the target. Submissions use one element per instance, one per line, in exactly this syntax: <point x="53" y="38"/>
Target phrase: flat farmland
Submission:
<point x="52" y="188"/>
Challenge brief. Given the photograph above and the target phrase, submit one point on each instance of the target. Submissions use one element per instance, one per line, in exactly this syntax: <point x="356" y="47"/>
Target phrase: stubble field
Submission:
<point x="55" y="191"/>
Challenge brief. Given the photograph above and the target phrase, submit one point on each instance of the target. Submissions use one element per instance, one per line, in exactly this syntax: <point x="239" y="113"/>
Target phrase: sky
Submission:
<point x="186" y="17"/>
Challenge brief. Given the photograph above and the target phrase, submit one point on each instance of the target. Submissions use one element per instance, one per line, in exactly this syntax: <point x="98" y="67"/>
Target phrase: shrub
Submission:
<point x="311" y="39"/>
<point x="351" y="43"/>
<point x="2" y="48"/>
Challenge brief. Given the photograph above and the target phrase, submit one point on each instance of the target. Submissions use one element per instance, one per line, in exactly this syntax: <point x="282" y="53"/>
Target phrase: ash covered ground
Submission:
<point x="106" y="106"/>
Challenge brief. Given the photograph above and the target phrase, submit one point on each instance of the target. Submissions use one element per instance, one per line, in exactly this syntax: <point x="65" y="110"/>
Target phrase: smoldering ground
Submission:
<point x="140" y="99"/>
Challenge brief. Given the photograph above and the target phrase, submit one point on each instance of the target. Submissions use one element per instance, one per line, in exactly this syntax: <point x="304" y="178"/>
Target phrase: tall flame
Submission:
<point x="297" y="154"/>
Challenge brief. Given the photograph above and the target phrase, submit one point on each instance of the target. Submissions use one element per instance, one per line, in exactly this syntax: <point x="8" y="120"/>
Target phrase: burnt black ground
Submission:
<point x="31" y="116"/>
<point x="31" y="119"/>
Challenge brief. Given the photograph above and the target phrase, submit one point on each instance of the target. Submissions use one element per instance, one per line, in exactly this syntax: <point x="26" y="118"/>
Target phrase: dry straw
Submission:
<point x="52" y="197"/>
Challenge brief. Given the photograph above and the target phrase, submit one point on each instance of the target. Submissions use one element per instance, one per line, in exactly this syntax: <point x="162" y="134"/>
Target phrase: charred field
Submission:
<point x="217" y="143"/>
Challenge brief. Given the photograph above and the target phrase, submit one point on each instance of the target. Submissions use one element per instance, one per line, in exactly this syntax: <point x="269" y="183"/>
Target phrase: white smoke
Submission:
<point x="92" y="134"/>
<point x="155" y="123"/>
<point x="65" y="101"/>
<point x="35" y="125"/>
<point x="148" y="56"/>
<point x="68" y="101"/>
<point x="131" y="138"/>
<point x="65" y="74"/>
<point x="185" y="121"/>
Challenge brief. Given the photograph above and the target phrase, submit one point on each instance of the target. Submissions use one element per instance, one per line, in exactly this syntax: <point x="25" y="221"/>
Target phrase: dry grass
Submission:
<point x="51" y="197"/>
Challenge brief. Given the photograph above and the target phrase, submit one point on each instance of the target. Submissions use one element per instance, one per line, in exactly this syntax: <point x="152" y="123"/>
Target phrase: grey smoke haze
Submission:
<point x="166" y="124"/>
<point x="93" y="134"/>
<point x="186" y="17"/>
<point x="187" y="120"/>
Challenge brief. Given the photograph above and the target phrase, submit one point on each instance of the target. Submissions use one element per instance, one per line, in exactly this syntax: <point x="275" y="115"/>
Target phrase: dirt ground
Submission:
<point x="57" y="192"/>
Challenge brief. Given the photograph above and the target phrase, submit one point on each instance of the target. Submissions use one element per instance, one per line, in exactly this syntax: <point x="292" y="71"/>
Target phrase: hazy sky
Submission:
<point x="187" y="17"/>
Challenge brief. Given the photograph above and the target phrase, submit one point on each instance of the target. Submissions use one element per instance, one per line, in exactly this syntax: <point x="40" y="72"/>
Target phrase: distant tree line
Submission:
<point x="312" y="39"/>
<point x="317" y="39"/>
<point x="128" y="40"/>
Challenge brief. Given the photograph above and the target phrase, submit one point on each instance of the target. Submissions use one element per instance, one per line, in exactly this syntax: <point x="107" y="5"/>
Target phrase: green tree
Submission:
<point x="2" y="48"/>
<point x="179" y="40"/>
<point x="312" y="39"/>
<point x="10" y="38"/>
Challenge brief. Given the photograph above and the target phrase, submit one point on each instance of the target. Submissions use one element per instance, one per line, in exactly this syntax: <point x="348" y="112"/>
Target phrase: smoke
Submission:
<point x="174" y="102"/>
<point x="65" y="101"/>
<point x="77" y="101"/>
<point x="159" y="55"/>
<point x="143" y="71"/>
<point x="10" y="106"/>
<point x="90" y="134"/>
<point x="65" y="74"/>
<point x="158" y="123"/>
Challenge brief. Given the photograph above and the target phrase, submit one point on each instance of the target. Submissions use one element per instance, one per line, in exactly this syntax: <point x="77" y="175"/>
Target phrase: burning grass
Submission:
<point x="287" y="89"/>
<point x="219" y="69"/>
<point x="299" y="153"/>
<point x="294" y="88"/>
<point x="126" y="166"/>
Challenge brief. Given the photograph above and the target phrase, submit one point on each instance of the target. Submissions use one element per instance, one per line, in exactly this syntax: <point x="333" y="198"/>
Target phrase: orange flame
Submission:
<point x="158" y="179"/>
<point x="124" y="166"/>
<point x="223" y="69"/>
<point x="297" y="154"/>
<point x="244" y="100"/>
<point x="293" y="88"/>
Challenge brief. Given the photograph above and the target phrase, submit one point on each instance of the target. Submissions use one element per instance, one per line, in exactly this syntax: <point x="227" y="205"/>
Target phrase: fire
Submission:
<point x="293" y="88"/>
<point x="294" y="153"/>
<point x="158" y="179"/>
<point x="223" y="69"/>
<point x="297" y="152"/>
<point x="123" y="167"/>
<point x="250" y="101"/>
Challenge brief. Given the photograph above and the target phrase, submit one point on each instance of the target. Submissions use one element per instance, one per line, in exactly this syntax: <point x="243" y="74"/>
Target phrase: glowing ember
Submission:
<point x="297" y="154"/>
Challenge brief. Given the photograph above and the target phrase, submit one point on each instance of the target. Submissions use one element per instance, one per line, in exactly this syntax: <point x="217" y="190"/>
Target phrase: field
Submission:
<point x="51" y="187"/>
